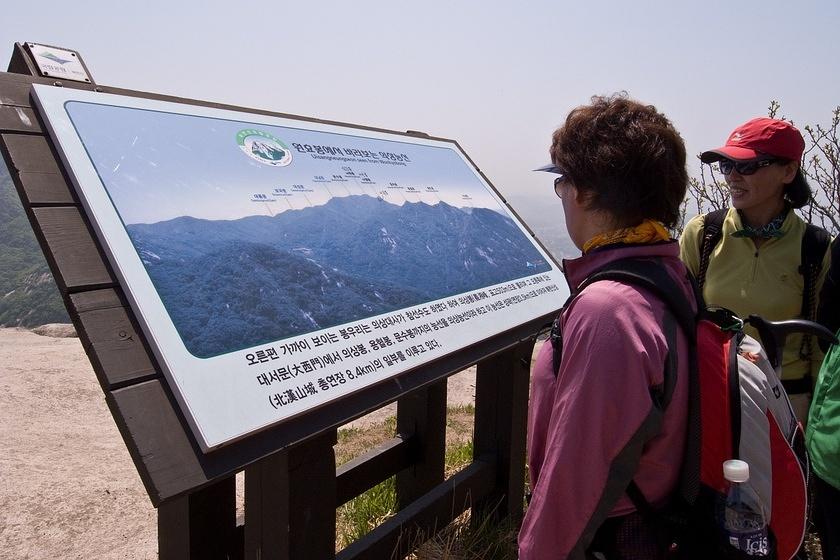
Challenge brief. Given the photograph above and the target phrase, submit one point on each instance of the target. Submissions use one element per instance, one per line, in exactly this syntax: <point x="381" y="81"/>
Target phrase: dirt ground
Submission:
<point x="68" y="488"/>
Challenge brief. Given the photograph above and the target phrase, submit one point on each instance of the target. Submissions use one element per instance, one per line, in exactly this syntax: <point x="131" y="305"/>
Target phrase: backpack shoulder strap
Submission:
<point x="645" y="273"/>
<point x="710" y="236"/>
<point x="556" y="338"/>
<point x="815" y="243"/>
<point x="651" y="275"/>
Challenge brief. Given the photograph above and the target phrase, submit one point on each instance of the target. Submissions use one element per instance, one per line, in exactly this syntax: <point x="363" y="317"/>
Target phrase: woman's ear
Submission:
<point x="581" y="197"/>
<point x="791" y="168"/>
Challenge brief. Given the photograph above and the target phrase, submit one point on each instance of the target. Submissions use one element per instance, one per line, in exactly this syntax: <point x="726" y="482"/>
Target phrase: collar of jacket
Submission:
<point x="767" y="231"/>
<point x="737" y="224"/>
<point x="577" y="270"/>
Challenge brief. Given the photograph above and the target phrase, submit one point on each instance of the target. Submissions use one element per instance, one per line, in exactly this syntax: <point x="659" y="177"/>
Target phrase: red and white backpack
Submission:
<point x="738" y="409"/>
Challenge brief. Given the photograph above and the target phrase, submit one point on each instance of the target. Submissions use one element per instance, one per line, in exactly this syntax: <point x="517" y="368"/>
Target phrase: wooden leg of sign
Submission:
<point x="501" y="415"/>
<point x="290" y="501"/>
<point x="267" y="508"/>
<point x="421" y="416"/>
<point x="312" y="496"/>
<point x="200" y="525"/>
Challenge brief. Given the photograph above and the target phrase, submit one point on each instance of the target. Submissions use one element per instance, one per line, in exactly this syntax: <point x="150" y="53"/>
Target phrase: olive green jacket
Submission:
<point x="764" y="281"/>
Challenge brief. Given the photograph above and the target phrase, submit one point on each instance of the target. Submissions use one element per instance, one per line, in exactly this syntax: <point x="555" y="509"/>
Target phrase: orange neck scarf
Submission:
<point x="648" y="231"/>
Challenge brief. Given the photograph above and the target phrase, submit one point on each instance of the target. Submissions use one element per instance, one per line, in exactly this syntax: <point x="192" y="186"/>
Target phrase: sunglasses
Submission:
<point x="559" y="181"/>
<point x="744" y="167"/>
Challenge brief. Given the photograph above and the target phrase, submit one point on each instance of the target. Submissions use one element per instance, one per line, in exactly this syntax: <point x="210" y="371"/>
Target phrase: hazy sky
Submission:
<point x="496" y="76"/>
<point x="158" y="166"/>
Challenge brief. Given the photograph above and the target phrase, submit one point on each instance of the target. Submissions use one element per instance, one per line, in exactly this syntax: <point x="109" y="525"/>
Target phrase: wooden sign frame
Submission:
<point x="164" y="451"/>
<point x="484" y="275"/>
<point x="292" y="486"/>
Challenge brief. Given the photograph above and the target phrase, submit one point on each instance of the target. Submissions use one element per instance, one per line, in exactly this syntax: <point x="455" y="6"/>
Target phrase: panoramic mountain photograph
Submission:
<point x="252" y="233"/>
<point x="232" y="284"/>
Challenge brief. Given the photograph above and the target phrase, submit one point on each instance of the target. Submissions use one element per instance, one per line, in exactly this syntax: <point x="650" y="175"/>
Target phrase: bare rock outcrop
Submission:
<point x="56" y="330"/>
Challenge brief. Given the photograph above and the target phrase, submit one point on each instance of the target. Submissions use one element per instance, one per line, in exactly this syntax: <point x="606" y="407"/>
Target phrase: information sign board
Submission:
<point x="277" y="264"/>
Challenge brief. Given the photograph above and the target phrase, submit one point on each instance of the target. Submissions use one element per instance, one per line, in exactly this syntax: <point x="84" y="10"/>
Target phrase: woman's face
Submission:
<point x="762" y="190"/>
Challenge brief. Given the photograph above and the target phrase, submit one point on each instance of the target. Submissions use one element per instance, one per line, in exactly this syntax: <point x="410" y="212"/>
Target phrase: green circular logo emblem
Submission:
<point x="263" y="147"/>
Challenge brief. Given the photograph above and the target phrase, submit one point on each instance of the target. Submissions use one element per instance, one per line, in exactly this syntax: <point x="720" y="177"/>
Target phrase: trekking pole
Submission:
<point x="774" y="333"/>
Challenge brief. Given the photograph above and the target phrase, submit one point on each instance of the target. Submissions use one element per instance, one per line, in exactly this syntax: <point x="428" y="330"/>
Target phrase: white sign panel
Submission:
<point x="277" y="265"/>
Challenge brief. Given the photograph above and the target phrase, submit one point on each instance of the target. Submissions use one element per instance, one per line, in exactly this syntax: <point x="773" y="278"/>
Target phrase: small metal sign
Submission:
<point x="54" y="62"/>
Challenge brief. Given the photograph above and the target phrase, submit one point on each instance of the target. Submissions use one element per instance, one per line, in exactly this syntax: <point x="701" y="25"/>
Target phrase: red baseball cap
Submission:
<point x="760" y="137"/>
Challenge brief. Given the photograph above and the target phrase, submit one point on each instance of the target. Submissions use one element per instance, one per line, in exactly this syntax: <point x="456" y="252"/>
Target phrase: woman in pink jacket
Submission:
<point x="621" y="174"/>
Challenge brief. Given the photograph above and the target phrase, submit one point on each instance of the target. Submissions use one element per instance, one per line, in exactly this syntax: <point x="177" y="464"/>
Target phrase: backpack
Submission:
<point x="815" y="243"/>
<point x="738" y="409"/>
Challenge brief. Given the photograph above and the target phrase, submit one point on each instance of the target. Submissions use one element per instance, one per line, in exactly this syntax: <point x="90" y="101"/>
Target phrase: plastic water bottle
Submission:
<point x="744" y="521"/>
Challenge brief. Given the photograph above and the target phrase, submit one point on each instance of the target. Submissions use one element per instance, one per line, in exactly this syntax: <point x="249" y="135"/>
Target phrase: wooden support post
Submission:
<point x="501" y="415"/>
<point x="290" y="502"/>
<point x="421" y="415"/>
<point x="201" y="525"/>
<point x="312" y="498"/>
<point x="267" y="508"/>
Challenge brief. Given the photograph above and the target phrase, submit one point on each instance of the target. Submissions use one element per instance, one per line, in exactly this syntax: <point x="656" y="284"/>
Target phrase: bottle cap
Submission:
<point x="736" y="471"/>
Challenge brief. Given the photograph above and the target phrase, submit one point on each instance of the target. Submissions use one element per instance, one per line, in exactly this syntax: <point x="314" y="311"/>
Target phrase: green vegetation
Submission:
<point x="462" y="539"/>
<point x="361" y="515"/>
<point x="28" y="294"/>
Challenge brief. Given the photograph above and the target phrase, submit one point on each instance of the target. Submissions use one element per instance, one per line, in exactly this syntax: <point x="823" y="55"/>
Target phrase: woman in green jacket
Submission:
<point x="754" y="268"/>
<point x="823" y="435"/>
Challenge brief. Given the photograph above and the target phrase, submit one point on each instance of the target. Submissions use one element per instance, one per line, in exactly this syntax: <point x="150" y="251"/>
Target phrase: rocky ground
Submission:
<point x="68" y="488"/>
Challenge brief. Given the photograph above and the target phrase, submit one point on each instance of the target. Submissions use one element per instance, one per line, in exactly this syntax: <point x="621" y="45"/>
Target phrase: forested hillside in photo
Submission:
<point x="229" y="284"/>
<point x="28" y="294"/>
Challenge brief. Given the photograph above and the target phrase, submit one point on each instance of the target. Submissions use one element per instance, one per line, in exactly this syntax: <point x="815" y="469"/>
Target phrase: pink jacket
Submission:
<point x="614" y="350"/>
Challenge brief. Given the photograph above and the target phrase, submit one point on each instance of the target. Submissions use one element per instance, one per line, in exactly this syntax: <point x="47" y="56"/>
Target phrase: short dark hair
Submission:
<point x="626" y="156"/>
<point x="797" y="193"/>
